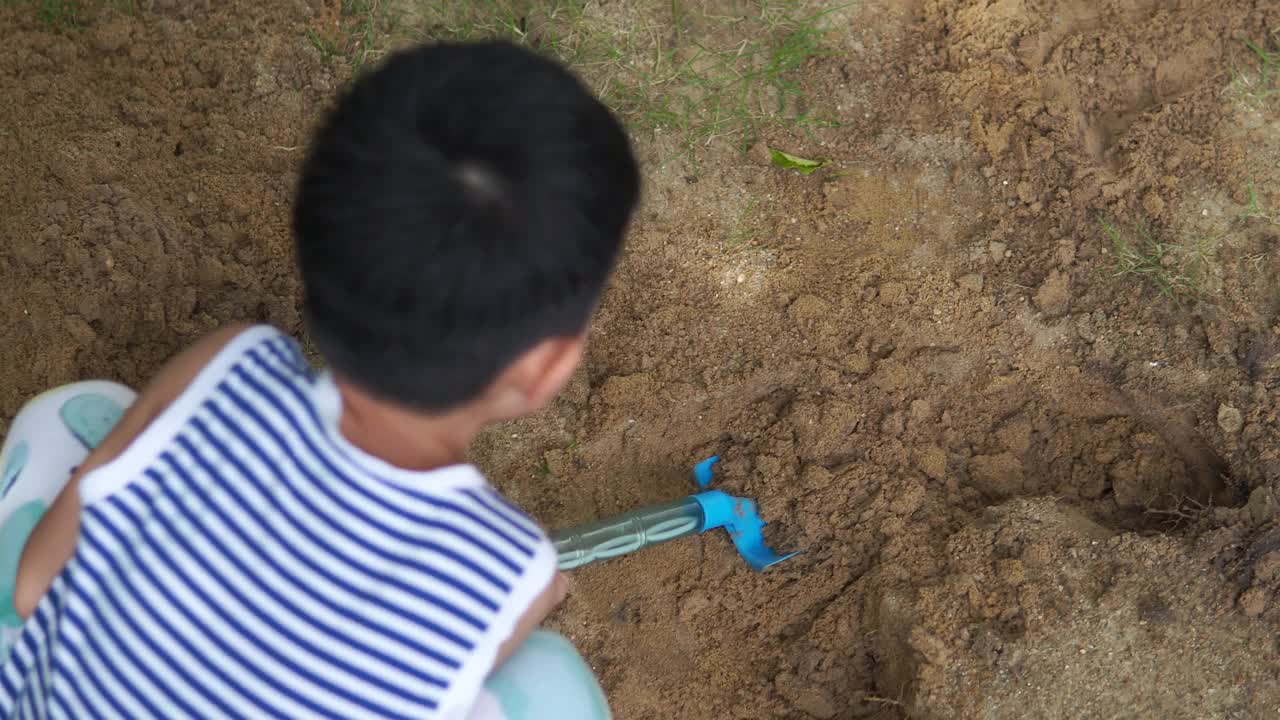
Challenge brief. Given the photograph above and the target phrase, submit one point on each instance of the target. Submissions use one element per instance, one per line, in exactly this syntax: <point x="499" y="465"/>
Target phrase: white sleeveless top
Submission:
<point x="241" y="559"/>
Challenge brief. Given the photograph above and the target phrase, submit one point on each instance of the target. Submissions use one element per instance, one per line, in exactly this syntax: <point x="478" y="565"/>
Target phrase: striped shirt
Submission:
<point x="241" y="559"/>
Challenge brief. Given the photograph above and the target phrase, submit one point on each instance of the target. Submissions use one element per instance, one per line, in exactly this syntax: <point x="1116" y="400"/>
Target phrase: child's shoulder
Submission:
<point x="262" y="349"/>
<point x="182" y="389"/>
<point x="243" y="338"/>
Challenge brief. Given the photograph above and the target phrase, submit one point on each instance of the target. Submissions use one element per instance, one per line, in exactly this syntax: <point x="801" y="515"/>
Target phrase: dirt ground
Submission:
<point x="1025" y="484"/>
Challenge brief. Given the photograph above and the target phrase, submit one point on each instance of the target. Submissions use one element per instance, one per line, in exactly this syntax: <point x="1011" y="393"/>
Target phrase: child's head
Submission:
<point x="459" y="213"/>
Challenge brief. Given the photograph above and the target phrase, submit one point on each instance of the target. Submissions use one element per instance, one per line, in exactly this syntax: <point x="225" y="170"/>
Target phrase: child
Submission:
<point x="253" y="538"/>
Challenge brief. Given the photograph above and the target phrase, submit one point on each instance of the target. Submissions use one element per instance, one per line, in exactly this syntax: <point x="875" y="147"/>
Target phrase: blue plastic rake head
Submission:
<point x="695" y="514"/>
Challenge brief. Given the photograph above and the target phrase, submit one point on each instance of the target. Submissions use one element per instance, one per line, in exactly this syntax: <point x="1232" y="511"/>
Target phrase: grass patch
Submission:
<point x="355" y="31"/>
<point x="73" y="14"/>
<point x="1259" y="82"/>
<point x="747" y="226"/>
<point x="543" y="470"/>
<point x="326" y="44"/>
<point x="366" y="22"/>
<point x="59" y="13"/>
<point x="1175" y="270"/>
<point x="666" y="67"/>
<point x="1253" y="207"/>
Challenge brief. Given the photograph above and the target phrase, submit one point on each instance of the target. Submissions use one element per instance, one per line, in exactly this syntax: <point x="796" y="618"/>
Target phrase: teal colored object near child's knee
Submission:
<point x="13" y="536"/>
<point x="546" y="679"/>
<point x="47" y="440"/>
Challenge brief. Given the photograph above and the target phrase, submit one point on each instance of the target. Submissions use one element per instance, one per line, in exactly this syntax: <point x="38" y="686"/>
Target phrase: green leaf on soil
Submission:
<point x="793" y="162"/>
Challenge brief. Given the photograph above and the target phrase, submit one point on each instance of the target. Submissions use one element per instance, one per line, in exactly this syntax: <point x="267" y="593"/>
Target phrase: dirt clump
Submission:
<point x="1041" y="608"/>
<point x="148" y="167"/>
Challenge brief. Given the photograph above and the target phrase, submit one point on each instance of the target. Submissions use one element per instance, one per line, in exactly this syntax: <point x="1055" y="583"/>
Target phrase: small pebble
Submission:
<point x="1230" y="419"/>
<point x="1253" y="601"/>
<point x="972" y="282"/>
<point x="997" y="250"/>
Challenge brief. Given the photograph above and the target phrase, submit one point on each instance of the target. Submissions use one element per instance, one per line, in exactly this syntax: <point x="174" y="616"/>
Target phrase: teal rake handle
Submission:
<point x="625" y="534"/>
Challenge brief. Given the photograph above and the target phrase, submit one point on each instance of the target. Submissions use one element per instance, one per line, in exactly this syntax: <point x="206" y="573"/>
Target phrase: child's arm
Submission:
<point x="533" y="617"/>
<point x="54" y="539"/>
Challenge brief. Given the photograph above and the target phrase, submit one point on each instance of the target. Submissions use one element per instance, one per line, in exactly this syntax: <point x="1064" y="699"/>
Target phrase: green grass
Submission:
<point x="59" y="13"/>
<point x="665" y="66"/>
<point x="1254" y="210"/>
<point x="72" y="14"/>
<point x="746" y="227"/>
<point x="367" y="23"/>
<point x="1260" y="81"/>
<point x="361" y="31"/>
<point x="327" y="46"/>
<point x="1175" y="270"/>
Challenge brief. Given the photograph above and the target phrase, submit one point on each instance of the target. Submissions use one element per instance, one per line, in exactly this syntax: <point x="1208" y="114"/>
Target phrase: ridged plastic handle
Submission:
<point x="627" y="533"/>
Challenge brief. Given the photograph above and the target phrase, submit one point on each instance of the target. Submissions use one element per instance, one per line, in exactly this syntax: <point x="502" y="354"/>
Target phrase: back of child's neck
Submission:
<point x="403" y="438"/>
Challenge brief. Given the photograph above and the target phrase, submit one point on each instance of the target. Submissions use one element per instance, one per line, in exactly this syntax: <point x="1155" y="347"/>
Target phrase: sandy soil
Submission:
<point x="1025" y="486"/>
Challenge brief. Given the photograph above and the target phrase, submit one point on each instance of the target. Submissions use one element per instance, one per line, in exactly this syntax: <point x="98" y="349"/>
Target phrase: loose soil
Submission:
<point x="1024" y="486"/>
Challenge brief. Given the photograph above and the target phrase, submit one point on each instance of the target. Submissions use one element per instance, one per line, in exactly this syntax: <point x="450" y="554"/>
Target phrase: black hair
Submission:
<point x="460" y="204"/>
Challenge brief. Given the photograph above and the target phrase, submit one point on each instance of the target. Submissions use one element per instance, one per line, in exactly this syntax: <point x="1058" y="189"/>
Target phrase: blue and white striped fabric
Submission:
<point x="242" y="560"/>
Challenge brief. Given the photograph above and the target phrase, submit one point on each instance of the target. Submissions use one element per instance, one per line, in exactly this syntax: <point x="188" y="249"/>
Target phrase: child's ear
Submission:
<point x="559" y="358"/>
<point x="533" y="380"/>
